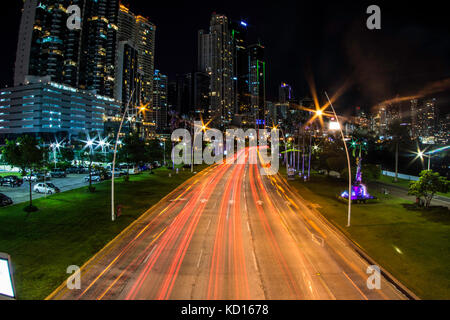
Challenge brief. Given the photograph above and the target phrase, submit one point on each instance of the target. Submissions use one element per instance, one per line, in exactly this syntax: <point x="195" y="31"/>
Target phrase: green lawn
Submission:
<point x="412" y="244"/>
<point x="4" y="174"/>
<point x="402" y="183"/>
<point x="71" y="227"/>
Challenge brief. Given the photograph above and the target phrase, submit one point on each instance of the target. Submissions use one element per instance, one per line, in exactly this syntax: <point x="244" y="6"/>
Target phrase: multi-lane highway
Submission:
<point x="229" y="233"/>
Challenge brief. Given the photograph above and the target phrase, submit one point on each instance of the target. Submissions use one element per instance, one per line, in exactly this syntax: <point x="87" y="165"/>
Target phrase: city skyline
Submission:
<point x="390" y="61"/>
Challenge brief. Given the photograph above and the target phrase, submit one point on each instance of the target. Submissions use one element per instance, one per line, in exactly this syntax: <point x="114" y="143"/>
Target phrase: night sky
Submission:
<point x="326" y="39"/>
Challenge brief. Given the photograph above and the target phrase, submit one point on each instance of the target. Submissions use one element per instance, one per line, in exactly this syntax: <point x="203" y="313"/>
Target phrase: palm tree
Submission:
<point x="398" y="134"/>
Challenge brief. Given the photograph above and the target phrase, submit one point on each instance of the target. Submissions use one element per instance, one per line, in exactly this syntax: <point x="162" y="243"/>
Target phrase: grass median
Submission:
<point x="72" y="226"/>
<point x="413" y="244"/>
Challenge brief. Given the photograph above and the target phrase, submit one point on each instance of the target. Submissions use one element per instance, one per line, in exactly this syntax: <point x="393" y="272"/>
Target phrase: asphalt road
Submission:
<point x="22" y="193"/>
<point x="229" y="233"/>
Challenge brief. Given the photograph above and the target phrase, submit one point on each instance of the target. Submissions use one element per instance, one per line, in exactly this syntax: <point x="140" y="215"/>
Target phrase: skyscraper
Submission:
<point x="216" y="58"/>
<point x="46" y="47"/>
<point x="140" y="33"/>
<point x="240" y="67"/>
<point x="160" y="103"/>
<point x="94" y="58"/>
<point x="257" y="85"/>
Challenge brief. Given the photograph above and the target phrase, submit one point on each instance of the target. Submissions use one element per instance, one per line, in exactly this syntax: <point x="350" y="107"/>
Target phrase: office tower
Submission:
<point x="172" y="96"/>
<point x="80" y="58"/>
<point x="257" y="86"/>
<point x="88" y="58"/>
<point x="239" y="36"/>
<point x="140" y="32"/>
<point x="216" y="58"/>
<point x="200" y="95"/>
<point x="427" y="120"/>
<point x="99" y="46"/>
<point x="160" y="96"/>
<point x="414" y="109"/>
<point x="46" y="47"/>
<point x="128" y="80"/>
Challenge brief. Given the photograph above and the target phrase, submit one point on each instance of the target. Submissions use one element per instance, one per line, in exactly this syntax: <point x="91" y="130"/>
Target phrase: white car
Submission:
<point x="94" y="178"/>
<point x="48" y="188"/>
<point x="33" y="178"/>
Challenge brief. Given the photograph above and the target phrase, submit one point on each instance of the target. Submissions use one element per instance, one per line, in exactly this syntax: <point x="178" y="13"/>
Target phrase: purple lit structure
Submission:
<point x="359" y="190"/>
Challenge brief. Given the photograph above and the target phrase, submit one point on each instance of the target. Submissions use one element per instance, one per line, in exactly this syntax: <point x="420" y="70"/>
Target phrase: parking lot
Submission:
<point x="22" y="193"/>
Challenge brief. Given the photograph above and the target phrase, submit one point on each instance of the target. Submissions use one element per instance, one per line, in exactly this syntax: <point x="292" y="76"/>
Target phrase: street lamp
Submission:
<point x="113" y="218"/>
<point x="348" y="162"/>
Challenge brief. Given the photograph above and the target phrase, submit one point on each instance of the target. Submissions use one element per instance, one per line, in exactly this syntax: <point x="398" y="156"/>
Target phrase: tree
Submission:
<point x="398" y="133"/>
<point x="154" y="150"/>
<point x="133" y="150"/>
<point x="428" y="184"/>
<point x="26" y="154"/>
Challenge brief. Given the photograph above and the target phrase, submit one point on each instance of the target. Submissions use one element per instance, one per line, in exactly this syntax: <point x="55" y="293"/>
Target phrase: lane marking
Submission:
<point x="150" y="254"/>
<point x="351" y="281"/>
<point x="199" y="259"/>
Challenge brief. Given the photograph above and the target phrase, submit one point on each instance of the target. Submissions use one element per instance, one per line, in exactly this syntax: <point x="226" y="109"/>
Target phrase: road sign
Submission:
<point x="7" y="290"/>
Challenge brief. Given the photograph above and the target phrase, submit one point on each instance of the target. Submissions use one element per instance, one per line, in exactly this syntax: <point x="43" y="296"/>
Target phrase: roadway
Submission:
<point x="229" y="233"/>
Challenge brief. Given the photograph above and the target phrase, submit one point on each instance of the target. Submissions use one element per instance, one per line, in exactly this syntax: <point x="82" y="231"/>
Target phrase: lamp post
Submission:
<point x="348" y="163"/>
<point x="113" y="216"/>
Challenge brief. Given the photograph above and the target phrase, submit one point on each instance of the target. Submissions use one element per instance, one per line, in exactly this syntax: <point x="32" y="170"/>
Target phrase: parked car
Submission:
<point x="58" y="174"/>
<point x="5" y="200"/>
<point x="156" y="164"/>
<point x="73" y="170"/>
<point x="41" y="176"/>
<point x="11" y="181"/>
<point x="48" y="188"/>
<point x="95" y="178"/>
<point x="33" y="177"/>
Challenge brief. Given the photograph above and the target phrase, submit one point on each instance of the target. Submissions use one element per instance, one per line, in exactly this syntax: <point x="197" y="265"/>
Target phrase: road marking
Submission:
<point x="203" y="200"/>
<point x="254" y="260"/>
<point x="248" y="227"/>
<point x="260" y="203"/>
<point x="317" y="240"/>
<point x="148" y="256"/>
<point x="209" y="223"/>
<point x="359" y="290"/>
<point x="199" y="259"/>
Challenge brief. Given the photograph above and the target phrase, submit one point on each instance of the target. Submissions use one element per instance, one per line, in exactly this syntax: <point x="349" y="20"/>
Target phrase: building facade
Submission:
<point x="46" y="107"/>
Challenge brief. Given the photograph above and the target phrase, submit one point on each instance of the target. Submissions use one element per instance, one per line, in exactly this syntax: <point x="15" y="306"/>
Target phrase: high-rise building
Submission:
<point x="200" y="95"/>
<point x="257" y="85"/>
<point x="99" y="46"/>
<point x="46" y="47"/>
<point x="128" y="80"/>
<point x="160" y="104"/>
<point x="101" y="57"/>
<point x="80" y="58"/>
<point x="239" y="36"/>
<point x="140" y="32"/>
<point x="216" y="58"/>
